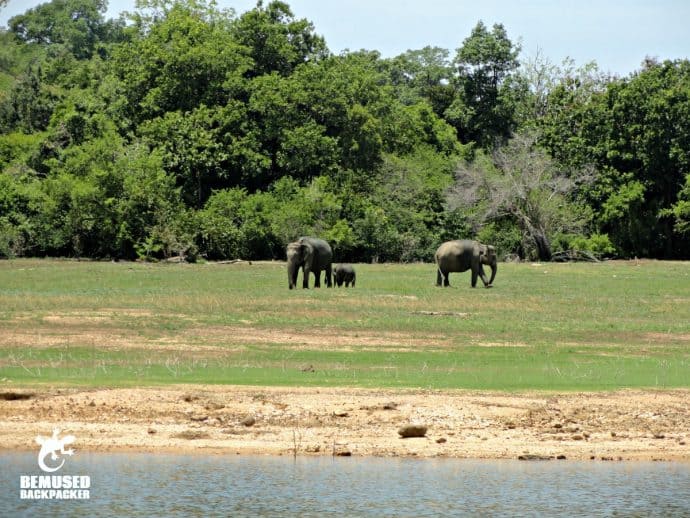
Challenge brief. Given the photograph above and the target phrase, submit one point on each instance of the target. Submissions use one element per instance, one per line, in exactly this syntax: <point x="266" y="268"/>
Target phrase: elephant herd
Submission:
<point x="315" y="255"/>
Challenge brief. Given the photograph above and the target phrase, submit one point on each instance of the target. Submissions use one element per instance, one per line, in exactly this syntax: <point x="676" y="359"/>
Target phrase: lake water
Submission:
<point x="228" y="485"/>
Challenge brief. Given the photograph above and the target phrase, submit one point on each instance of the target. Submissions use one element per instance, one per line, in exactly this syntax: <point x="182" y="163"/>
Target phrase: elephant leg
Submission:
<point x="442" y="278"/>
<point x="329" y="275"/>
<point x="317" y="279"/>
<point x="485" y="279"/>
<point x="305" y="281"/>
<point x="475" y="274"/>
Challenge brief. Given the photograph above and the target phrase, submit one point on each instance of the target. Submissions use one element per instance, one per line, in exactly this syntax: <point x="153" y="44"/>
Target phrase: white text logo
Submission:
<point x="54" y="487"/>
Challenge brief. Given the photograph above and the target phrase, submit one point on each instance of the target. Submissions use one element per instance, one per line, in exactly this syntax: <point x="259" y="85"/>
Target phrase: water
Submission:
<point x="218" y="485"/>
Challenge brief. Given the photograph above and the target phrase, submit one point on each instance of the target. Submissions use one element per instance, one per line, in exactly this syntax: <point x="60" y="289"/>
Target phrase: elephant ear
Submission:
<point x="305" y="248"/>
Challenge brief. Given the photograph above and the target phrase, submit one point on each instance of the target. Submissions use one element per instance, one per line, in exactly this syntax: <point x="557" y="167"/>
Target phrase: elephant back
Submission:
<point x="321" y="249"/>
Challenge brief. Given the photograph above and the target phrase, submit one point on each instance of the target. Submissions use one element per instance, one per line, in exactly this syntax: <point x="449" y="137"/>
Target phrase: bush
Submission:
<point x="219" y="222"/>
<point x="599" y="244"/>
<point x="506" y="237"/>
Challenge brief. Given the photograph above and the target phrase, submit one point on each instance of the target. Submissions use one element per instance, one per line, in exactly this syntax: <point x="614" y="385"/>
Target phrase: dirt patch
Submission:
<point x="625" y="425"/>
<point x="99" y="330"/>
<point x="665" y="338"/>
<point x="321" y="338"/>
<point x="103" y="339"/>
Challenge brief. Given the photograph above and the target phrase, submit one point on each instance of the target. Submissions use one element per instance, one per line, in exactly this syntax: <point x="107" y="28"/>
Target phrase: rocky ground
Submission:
<point x="625" y="425"/>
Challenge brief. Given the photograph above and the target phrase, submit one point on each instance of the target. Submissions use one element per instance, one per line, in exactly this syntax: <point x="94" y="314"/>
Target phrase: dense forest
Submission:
<point x="181" y="129"/>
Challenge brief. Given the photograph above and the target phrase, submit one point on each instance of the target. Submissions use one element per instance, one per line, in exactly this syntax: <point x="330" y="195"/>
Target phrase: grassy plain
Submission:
<point x="557" y="327"/>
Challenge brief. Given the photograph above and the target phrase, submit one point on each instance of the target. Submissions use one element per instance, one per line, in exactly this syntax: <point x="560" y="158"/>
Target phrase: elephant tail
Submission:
<point x="439" y="277"/>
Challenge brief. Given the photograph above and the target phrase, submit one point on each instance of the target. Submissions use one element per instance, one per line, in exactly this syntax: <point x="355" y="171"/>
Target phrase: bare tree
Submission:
<point x="522" y="182"/>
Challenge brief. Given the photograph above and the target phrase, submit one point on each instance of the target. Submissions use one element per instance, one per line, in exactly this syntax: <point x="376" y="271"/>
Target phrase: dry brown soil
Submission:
<point x="624" y="425"/>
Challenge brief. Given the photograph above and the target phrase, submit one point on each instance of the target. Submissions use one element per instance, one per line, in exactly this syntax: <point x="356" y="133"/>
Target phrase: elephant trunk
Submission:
<point x="292" y="275"/>
<point x="494" y="269"/>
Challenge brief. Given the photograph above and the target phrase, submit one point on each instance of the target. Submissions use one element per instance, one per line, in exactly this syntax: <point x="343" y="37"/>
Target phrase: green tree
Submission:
<point x="680" y="210"/>
<point x="483" y="111"/>
<point x="220" y="222"/>
<point x="423" y="74"/>
<point x="193" y="151"/>
<point x="277" y="42"/>
<point x="633" y="131"/>
<point x="179" y="61"/>
<point x="29" y="103"/>
<point x="78" y="25"/>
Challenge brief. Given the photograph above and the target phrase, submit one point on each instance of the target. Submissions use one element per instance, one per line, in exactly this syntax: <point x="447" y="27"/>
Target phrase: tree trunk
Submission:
<point x="538" y="234"/>
<point x="543" y="245"/>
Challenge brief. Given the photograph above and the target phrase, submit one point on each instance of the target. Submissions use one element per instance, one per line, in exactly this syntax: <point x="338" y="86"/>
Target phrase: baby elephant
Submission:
<point x="344" y="273"/>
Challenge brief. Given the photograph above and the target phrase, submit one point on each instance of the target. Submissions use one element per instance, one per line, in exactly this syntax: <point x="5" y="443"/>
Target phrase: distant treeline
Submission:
<point x="182" y="129"/>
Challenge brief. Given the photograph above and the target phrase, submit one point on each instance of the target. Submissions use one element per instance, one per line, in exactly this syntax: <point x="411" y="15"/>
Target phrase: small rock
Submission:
<point x="441" y="440"/>
<point x="613" y="434"/>
<point x="412" y="430"/>
<point x="557" y="425"/>
<point x="560" y="457"/>
<point x="248" y="421"/>
<point x="343" y="453"/>
<point x="390" y="406"/>
<point x="532" y="456"/>
<point x="659" y="435"/>
<point x="342" y="413"/>
<point x="198" y="417"/>
<point x="151" y="431"/>
<point x="577" y="437"/>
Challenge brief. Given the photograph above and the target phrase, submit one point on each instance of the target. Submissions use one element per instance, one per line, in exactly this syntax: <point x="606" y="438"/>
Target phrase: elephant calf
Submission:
<point x="463" y="255"/>
<point x="344" y="273"/>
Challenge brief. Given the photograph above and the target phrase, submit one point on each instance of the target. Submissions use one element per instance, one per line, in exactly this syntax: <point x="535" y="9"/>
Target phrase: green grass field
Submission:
<point x="542" y="327"/>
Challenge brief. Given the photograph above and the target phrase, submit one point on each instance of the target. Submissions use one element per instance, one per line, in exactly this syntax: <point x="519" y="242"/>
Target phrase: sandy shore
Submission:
<point x="625" y="425"/>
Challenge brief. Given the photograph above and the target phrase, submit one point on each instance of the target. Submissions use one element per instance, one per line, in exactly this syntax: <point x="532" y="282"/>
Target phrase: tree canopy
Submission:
<point x="184" y="129"/>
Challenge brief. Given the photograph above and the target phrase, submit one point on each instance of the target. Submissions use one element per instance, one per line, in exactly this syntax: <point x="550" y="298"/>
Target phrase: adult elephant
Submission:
<point x="462" y="255"/>
<point x="312" y="255"/>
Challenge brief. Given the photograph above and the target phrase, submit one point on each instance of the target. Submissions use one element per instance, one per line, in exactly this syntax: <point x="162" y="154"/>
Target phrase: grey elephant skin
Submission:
<point x="344" y="273"/>
<point x="462" y="255"/>
<point x="311" y="254"/>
